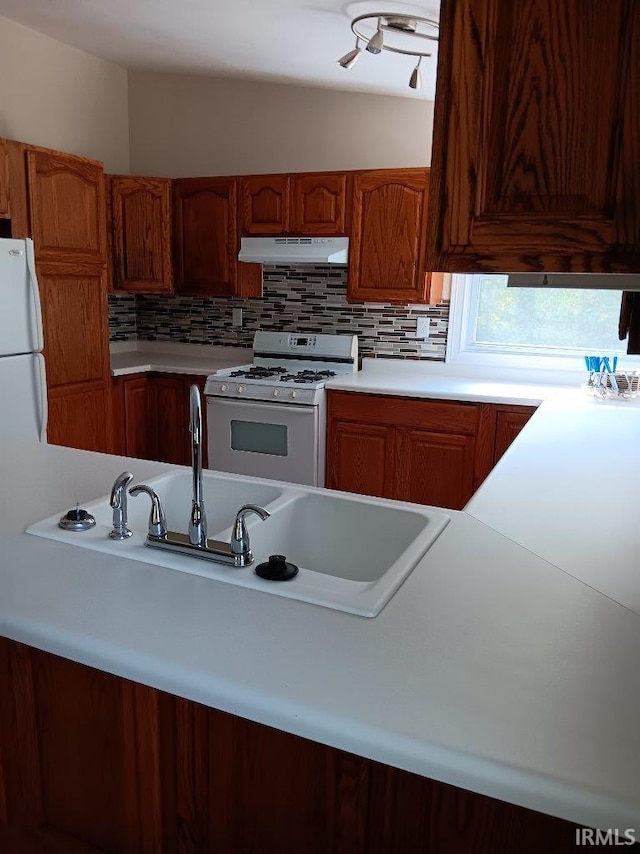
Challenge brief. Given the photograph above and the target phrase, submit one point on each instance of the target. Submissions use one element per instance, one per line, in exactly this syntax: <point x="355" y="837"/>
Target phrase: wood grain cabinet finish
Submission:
<point x="170" y="418"/>
<point x="5" y="209"/>
<point x="205" y="227"/>
<point x="509" y="422"/>
<point x="80" y="417"/>
<point x="141" y="234"/>
<point x="266" y="205"/>
<point x="76" y="323"/>
<point x="68" y="207"/>
<point x="319" y="203"/>
<point x="537" y="130"/>
<point x="90" y="763"/>
<point x="386" y="252"/>
<point x="426" y="451"/>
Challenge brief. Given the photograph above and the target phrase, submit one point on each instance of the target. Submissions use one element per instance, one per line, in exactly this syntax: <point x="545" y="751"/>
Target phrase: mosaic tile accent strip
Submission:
<point x="122" y="317"/>
<point x="300" y="299"/>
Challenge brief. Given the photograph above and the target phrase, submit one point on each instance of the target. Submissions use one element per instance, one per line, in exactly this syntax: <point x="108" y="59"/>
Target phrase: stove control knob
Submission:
<point x="224" y="387"/>
<point x="240" y="389"/>
<point x="294" y="394"/>
<point x="276" y="392"/>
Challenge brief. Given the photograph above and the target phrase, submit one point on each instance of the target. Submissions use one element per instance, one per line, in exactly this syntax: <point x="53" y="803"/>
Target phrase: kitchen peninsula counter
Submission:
<point x="490" y="669"/>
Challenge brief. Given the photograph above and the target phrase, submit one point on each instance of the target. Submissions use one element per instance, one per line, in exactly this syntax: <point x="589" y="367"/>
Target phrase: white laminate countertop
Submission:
<point x="433" y="379"/>
<point x="140" y="357"/>
<point x="490" y="669"/>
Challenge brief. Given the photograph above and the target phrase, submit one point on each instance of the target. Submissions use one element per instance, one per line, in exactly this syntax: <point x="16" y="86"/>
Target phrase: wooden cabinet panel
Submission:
<point x="95" y="762"/>
<point x="361" y="458"/>
<point x="535" y="160"/>
<point x="141" y="228"/>
<point x="80" y="417"/>
<point x="137" y="422"/>
<point x="319" y="203"/>
<point x="206" y="239"/>
<point x="386" y="254"/>
<point x="436" y="468"/>
<point x="509" y="422"/>
<point x="5" y="210"/>
<point x="265" y="204"/>
<point x="75" y="320"/>
<point x="170" y="412"/>
<point x="68" y="208"/>
<point x="426" y="451"/>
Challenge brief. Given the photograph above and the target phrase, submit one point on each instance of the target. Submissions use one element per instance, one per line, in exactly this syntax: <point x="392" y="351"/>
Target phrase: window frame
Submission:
<point x="463" y="352"/>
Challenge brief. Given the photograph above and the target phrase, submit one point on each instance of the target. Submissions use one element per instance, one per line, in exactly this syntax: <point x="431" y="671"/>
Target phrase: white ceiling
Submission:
<point x="280" y="40"/>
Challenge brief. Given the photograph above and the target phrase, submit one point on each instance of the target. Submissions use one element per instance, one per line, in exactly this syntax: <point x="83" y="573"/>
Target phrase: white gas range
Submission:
<point x="268" y="419"/>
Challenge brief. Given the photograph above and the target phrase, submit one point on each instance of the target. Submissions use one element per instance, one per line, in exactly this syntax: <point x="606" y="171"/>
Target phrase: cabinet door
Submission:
<point x="68" y="209"/>
<point x="361" y="458"/>
<point x="80" y="417"/>
<point x="206" y="238"/>
<point x="509" y="422"/>
<point x="170" y="412"/>
<point x="265" y="205"/>
<point x="4" y="179"/>
<point x="137" y="420"/>
<point x="141" y="223"/>
<point x="388" y="233"/>
<point x="76" y="324"/>
<point x="436" y="468"/>
<point x="537" y="132"/>
<point x="319" y="203"/>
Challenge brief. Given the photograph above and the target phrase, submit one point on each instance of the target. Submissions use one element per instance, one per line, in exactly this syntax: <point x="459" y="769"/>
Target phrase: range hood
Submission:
<point x="294" y="250"/>
<point x="595" y="281"/>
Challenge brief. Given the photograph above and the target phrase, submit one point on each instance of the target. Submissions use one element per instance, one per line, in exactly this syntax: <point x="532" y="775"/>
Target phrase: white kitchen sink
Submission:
<point x="353" y="552"/>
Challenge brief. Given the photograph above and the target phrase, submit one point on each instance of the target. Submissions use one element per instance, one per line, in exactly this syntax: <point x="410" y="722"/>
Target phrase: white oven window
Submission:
<point x="259" y="438"/>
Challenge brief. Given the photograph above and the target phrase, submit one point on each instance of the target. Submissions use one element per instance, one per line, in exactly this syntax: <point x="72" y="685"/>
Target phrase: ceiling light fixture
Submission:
<point x="401" y="34"/>
<point x="350" y="59"/>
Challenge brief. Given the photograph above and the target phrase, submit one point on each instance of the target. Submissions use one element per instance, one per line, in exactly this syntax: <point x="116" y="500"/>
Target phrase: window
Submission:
<point x="544" y="328"/>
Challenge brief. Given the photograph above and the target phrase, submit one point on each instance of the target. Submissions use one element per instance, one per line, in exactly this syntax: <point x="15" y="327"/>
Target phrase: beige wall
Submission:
<point x="184" y="125"/>
<point x="60" y="97"/>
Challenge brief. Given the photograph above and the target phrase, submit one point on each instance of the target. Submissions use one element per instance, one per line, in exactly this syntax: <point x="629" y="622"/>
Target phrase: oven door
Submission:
<point x="278" y="441"/>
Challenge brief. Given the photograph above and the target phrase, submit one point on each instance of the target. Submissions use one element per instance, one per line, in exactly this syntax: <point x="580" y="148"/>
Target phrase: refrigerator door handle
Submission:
<point x="44" y="403"/>
<point x="35" y="293"/>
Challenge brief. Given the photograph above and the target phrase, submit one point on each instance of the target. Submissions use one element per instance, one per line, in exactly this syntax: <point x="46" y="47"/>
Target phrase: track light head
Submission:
<point x="376" y="41"/>
<point x="415" y="81"/>
<point x="350" y="59"/>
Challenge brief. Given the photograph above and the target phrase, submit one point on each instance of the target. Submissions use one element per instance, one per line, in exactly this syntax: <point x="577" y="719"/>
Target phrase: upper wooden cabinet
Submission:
<point x="141" y="234"/>
<point x="206" y="239"/>
<point x="5" y="210"/>
<point x="386" y="252"/>
<point x="535" y="160"/>
<point x="68" y="208"/>
<point x="308" y="203"/>
<point x="265" y="205"/>
<point x="319" y="203"/>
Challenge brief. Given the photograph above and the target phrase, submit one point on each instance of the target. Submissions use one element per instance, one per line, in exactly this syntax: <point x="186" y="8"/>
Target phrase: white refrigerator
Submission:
<point x="23" y="389"/>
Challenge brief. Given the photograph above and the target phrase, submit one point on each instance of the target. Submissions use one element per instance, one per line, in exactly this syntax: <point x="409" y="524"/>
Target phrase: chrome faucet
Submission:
<point x="198" y="517"/>
<point x="157" y="520"/>
<point x="119" y="505"/>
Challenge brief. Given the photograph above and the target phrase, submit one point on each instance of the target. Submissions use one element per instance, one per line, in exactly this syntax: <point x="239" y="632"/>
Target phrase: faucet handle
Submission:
<point x="118" y="503"/>
<point x="240" y="544"/>
<point x="157" y="520"/>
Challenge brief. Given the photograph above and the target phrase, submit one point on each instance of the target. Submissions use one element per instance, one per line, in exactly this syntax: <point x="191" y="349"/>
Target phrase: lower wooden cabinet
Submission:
<point x="90" y="762"/>
<point x="80" y="417"/>
<point x="151" y="417"/>
<point x="509" y="422"/>
<point x="426" y="451"/>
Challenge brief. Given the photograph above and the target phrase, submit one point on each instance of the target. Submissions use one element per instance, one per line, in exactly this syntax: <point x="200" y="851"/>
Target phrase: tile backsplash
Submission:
<point x="301" y="299"/>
